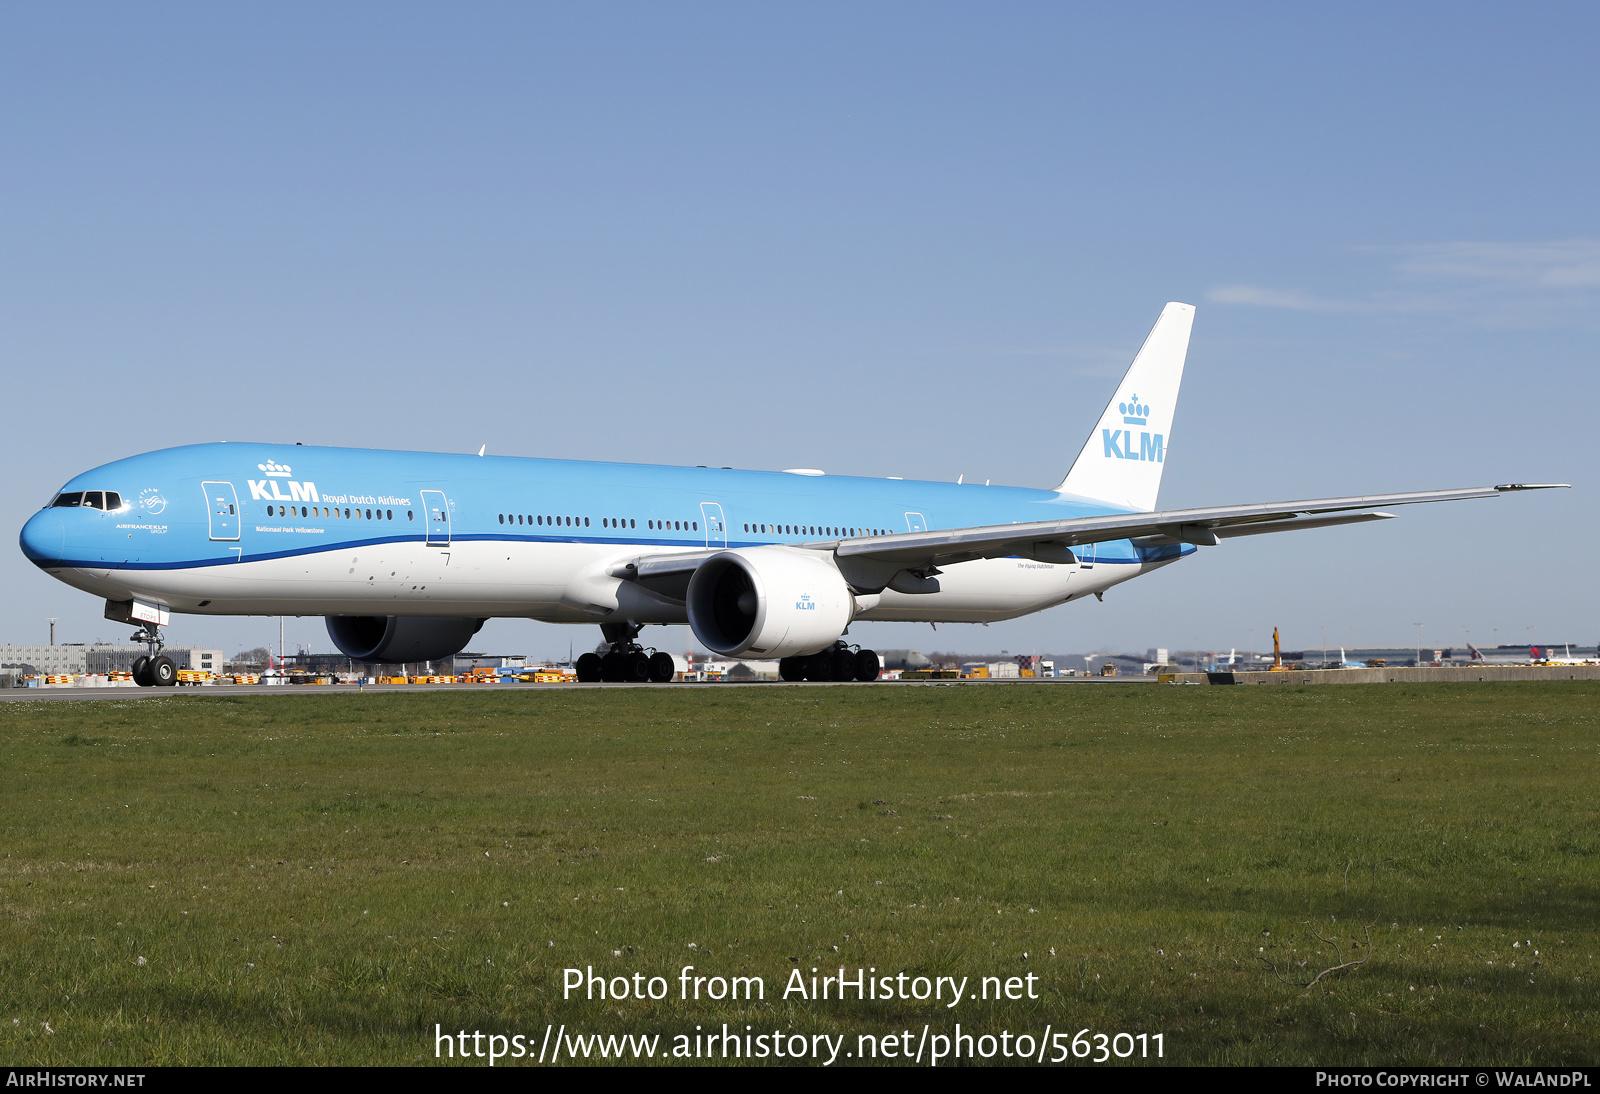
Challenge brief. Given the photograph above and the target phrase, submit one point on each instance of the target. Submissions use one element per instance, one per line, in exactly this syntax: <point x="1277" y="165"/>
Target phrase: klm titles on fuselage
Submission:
<point x="298" y="491"/>
<point x="267" y="489"/>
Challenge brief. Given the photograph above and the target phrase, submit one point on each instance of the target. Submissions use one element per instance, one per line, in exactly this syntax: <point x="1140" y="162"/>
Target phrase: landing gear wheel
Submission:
<point x="612" y="667"/>
<point x="141" y="671"/>
<point x="792" y="669"/>
<point x="844" y="664"/>
<point x="819" y="667"/>
<point x="662" y="670"/>
<point x="589" y="668"/>
<point x="636" y="667"/>
<point x="867" y="665"/>
<point x="163" y="673"/>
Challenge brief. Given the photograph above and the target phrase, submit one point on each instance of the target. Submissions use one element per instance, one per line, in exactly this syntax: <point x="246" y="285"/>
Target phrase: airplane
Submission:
<point x="406" y="554"/>
<point x="1548" y="656"/>
<point x="1344" y="662"/>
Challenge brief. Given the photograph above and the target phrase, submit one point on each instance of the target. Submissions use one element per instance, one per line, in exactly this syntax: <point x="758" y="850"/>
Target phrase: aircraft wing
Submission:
<point x="873" y="561"/>
<point x="1050" y="541"/>
<point x="665" y="574"/>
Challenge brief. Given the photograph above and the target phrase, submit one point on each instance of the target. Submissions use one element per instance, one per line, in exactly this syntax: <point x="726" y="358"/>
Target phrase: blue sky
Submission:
<point x="886" y="239"/>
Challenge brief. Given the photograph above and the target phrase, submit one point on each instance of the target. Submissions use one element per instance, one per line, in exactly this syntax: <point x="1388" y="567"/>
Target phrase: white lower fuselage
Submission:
<point x="551" y="582"/>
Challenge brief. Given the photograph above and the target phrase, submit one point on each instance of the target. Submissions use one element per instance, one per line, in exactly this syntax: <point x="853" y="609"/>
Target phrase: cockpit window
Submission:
<point x="108" y="500"/>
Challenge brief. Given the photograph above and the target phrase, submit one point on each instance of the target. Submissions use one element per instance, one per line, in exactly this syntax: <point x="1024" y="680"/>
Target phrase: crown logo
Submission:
<point x="1134" y="412"/>
<point x="275" y="470"/>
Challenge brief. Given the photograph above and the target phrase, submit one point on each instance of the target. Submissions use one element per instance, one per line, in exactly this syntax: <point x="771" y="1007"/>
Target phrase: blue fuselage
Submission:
<point x="185" y="526"/>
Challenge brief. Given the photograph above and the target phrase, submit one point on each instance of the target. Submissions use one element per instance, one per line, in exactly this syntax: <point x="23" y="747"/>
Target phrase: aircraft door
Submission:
<point x="716" y="529"/>
<point x="916" y="523"/>
<point x="222" y="504"/>
<point x="1085" y="553"/>
<point x="437" y="509"/>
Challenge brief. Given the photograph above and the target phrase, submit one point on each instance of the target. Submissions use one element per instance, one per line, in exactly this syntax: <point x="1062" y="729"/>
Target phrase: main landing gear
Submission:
<point x="153" y="670"/>
<point x="839" y="664"/>
<point x="627" y="662"/>
<point x="628" y="665"/>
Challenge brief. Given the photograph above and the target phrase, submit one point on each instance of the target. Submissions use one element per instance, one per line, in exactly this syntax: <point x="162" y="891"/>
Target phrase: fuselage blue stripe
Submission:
<point x="1144" y="555"/>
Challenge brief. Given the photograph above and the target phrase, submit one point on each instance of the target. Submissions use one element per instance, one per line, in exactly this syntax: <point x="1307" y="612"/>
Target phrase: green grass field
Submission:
<point x="320" y="878"/>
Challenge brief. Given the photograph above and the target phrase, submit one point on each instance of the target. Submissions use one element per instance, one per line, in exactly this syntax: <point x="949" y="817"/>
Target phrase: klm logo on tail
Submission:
<point x="1136" y="428"/>
<point x="1119" y="442"/>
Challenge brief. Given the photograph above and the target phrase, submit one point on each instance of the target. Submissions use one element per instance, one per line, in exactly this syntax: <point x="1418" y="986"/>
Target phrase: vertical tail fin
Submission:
<point x="1122" y="461"/>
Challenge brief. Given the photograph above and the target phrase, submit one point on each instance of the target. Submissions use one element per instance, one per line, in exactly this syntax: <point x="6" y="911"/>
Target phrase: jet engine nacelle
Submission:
<point x="770" y="602"/>
<point x="397" y="639"/>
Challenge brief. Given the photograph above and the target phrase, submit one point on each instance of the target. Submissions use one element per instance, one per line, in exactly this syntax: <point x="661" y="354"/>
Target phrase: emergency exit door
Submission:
<point x="437" y="509"/>
<point x="222" y="503"/>
<point x="716" y="529"/>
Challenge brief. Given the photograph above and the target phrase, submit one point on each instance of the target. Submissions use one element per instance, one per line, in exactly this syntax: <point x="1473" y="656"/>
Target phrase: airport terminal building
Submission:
<point x="78" y="658"/>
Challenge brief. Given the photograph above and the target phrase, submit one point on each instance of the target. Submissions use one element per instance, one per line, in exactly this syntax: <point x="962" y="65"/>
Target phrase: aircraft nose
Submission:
<point x="44" y="537"/>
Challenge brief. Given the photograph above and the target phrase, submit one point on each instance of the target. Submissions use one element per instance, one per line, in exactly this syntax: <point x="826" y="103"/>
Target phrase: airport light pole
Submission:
<point x="52" y="631"/>
<point x="1419" y="643"/>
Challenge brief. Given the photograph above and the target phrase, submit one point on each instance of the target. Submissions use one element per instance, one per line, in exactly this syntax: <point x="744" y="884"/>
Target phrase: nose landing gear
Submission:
<point x="153" y="670"/>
